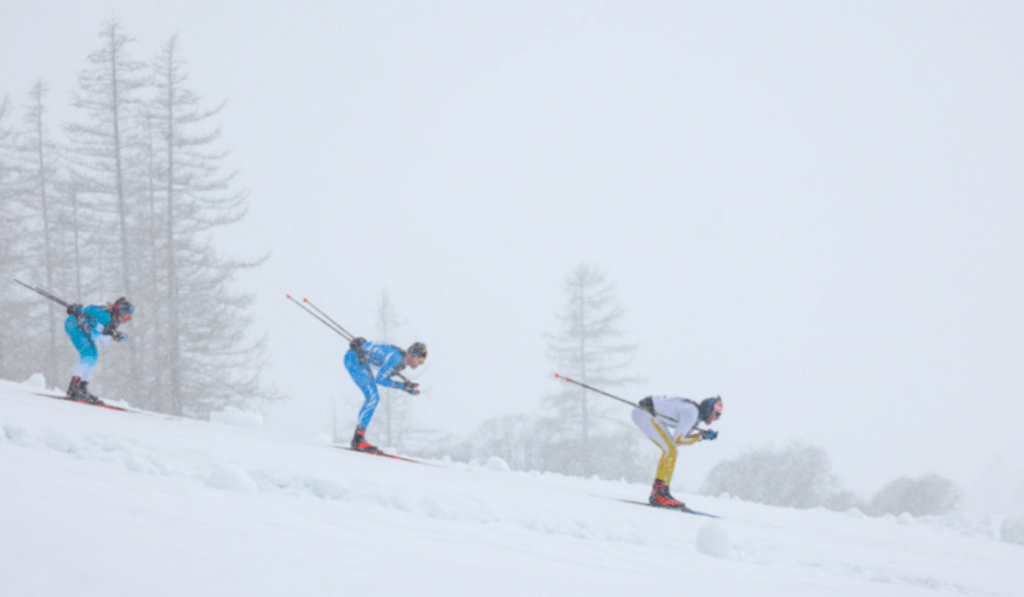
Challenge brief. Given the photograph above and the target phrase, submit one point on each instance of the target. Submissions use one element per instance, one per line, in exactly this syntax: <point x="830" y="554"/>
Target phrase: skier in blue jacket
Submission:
<point x="360" y="360"/>
<point x="88" y="326"/>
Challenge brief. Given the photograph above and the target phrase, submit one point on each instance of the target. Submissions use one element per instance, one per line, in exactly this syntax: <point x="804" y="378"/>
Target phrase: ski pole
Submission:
<point x="52" y="298"/>
<point x="42" y="292"/>
<point x="593" y="389"/>
<point x="336" y="324"/>
<point x="337" y="330"/>
<point x="321" y="319"/>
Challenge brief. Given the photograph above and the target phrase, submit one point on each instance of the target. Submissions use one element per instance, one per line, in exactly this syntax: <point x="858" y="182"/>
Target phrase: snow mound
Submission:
<point x="712" y="540"/>
<point x="238" y="418"/>
<point x="497" y="465"/>
<point x="36" y="381"/>
<point x="1012" y="530"/>
<point x="226" y="477"/>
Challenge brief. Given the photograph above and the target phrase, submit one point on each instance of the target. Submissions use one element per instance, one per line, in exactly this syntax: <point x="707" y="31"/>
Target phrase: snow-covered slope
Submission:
<point x="98" y="502"/>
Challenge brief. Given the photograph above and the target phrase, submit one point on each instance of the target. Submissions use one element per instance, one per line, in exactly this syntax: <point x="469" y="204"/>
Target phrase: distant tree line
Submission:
<point x="800" y="476"/>
<point x="123" y="200"/>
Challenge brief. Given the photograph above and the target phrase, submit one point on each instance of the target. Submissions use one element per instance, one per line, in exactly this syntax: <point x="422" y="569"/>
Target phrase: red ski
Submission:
<point x="383" y="454"/>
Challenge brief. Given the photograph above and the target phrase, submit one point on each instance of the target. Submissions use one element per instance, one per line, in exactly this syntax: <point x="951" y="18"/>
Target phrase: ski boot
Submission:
<point x="360" y="444"/>
<point x="73" y="392"/>
<point x="84" y="387"/>
<point x="78" y="391"/>
<point x="661" y="498"/>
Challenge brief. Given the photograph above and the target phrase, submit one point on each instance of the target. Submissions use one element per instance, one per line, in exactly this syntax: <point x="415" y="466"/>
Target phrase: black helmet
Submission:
<point x="708" y="406"/>
<point x="418" y="349"/>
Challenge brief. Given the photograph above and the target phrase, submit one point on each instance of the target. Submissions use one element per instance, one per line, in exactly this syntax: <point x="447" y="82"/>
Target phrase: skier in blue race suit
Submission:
<point x="88" y="326"/>
<point x="360" y="360"/>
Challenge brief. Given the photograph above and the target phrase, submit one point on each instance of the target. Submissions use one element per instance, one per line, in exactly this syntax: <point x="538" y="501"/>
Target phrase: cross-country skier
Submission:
<point x="360" y="360"/>
<point x="87" y="326"/>
<point x="653" y="418"/>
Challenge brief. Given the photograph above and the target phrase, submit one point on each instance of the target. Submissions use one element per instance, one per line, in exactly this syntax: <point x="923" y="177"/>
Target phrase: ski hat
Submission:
<point x="418" y="349"/>
<point x="708" y="406"/>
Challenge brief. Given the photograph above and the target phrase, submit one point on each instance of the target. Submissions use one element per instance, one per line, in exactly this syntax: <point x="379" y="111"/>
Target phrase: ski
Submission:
<point x="100" y="404"/>
<point x="392" y="456"/>
<point x="683" y="509"/>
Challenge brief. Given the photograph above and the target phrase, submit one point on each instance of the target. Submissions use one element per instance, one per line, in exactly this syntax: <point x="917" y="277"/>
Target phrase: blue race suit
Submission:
<point x="85" y="337"/>
<point x="85" y="334"/>
<point x="388" y="360"/>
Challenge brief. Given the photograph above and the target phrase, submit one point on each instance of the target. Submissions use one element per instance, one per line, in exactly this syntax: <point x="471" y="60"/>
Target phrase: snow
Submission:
<point x="99" y="502"/>
<point x="237" y="417"/>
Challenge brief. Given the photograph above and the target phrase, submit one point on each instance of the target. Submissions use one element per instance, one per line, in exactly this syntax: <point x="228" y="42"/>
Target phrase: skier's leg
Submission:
<point x="660" y="495"/>
<point x="88" y="357"/>
<point x="361" y="376"/>
<point x="364" y="380"/>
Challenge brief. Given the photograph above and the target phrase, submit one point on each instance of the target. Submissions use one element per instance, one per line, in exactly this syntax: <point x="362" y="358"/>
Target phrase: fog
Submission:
<point x="811" y="210"/>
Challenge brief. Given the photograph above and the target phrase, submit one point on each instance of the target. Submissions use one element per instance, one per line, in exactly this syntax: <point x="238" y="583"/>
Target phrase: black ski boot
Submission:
<point x="74" y="392"/>
<point x="83" y="386"/>
<point x="360" y="444"/>
<point x="79" y="391"/>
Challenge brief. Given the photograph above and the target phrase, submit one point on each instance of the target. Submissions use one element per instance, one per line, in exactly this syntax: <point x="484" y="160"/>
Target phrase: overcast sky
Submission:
<point x="812" y="209"/>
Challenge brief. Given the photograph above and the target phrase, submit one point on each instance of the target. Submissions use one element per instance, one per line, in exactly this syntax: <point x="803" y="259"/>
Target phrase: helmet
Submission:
<point x="123" y="306"/>
<point x="709" y="406"/>
<point x="418" y="349"/>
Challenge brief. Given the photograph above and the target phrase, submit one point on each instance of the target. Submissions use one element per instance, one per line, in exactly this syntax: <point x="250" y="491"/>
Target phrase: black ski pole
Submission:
<point x="52" y="298"/>
<point x="593" y="389"/>
<point x="337" y="330"/>
<point x="321" y="319"/>
<point x="42" y="292"/>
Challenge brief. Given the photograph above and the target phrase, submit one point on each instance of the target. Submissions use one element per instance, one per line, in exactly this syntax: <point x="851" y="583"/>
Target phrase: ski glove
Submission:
<point x="357" y="344"/>
<point x="708" y="434"/>
<point x="118" y="336"/>
<point x="647" y="404"/>
<point x="412" y="388"/>
<point x="74" y="309"/>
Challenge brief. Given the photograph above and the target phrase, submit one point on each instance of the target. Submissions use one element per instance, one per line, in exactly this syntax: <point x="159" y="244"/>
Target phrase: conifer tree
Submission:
<point x="394" y="410"/>
<point x="41" y="200"/>
<point x="588" y="347"/>
<point x="209" y="359"/>
<point x="105" y="174"/>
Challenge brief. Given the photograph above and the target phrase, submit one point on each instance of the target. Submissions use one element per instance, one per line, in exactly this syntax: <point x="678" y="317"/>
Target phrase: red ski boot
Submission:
<point x="360" y="444"/>
<point x="661" y="498"/>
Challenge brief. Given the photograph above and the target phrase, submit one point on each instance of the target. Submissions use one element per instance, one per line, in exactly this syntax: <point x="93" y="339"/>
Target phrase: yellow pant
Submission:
<point x="665" y="442"/>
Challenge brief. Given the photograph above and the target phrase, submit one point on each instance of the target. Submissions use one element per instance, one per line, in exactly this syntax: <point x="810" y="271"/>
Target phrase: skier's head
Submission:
<point x="710" y="409"/>
<point x="416" y="354"/>
<point x="122" y="310"/>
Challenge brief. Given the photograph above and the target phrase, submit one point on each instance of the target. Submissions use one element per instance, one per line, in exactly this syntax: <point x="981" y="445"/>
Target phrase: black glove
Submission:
<point x="357" y="344"/>
<point x="647" y="404"/>
<point x="74" y="309"/>
<point x="708" y="434"/>
<point x="118" y="336"/>
<point x="412" y="388"/>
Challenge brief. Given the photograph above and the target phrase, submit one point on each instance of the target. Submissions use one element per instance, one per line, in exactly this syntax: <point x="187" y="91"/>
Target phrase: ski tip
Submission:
<point x="305" y="300"/>
<point x="288" y="296"/>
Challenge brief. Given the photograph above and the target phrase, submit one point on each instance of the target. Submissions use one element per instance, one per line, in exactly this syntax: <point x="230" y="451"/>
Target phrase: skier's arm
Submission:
<point x="387" y="369"/>
<point x="688" y="440"/>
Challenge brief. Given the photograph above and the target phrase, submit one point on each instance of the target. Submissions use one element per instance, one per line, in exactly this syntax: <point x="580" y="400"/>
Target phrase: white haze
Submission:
<point x="811" y="209"/>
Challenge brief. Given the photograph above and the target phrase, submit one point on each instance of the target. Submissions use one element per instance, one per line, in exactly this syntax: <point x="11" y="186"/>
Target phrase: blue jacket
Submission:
<point x="93" y="328"/>
<point x="388" y="359"/>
